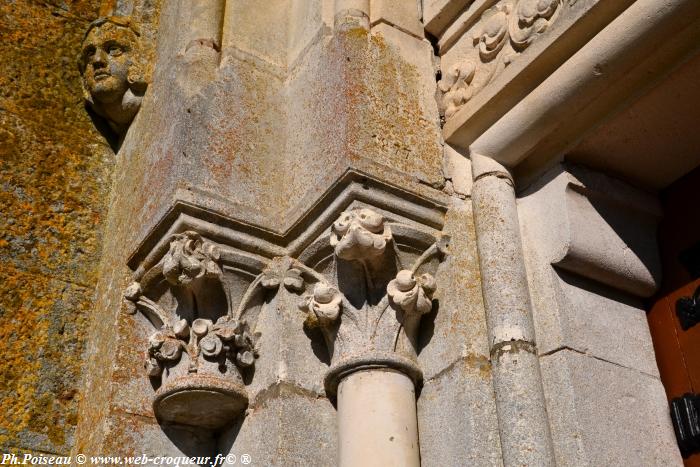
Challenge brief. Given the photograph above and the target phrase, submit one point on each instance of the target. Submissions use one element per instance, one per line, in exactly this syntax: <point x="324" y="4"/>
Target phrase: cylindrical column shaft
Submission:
<point x="351" y="13"/>
<point x="522" y="415"/>
<point x="377" y="420"/>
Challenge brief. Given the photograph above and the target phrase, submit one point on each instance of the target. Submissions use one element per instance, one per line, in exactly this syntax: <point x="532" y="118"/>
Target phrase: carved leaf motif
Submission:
<point x="293" y="280"/>
<point x="279" y="272"/>
<point x="493" y="34"/>
<point x="530" y="19"/>
<point x="190" y="258"/>
<point x="412" y="294"/>
<point x="456" y="86"/>
<point x="324" y="303"/>
<point x="360" y="234"/>
<point x="516" y="22"/>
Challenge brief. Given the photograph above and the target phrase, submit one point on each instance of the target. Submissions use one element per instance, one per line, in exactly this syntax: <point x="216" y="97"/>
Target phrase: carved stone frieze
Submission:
<point x="113" y="71"/>
<point x="502" y="33"/>
<point x="367" y="304"/>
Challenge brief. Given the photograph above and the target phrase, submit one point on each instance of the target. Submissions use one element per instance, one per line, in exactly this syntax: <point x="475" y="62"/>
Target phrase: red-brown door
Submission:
<point x="678" y="350"/>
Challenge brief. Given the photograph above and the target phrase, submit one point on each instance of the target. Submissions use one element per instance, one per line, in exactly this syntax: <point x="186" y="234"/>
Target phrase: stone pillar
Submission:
<point x="522" y="416"/>
<point x="369" y="309"/>
<point x="251" y="184"/>
<point x="377" y="419"/>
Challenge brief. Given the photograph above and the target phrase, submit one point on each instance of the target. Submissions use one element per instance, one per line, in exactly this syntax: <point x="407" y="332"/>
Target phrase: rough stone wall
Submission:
<point x="54" y="183"/>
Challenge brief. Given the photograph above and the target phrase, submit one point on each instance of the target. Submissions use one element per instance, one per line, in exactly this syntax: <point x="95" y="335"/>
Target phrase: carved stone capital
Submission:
<point x="200" y="349"/>
<point x="369" y="306"/>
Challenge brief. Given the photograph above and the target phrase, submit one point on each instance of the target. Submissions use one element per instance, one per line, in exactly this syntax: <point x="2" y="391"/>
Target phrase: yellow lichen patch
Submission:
<point x="42" y="322"/>
<point x="54" y="179"/>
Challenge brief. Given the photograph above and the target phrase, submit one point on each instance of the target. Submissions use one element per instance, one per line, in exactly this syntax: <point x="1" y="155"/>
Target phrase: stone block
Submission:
<point x="458" y="169"/>
<point x="290" y="352"/>
<point x="286" y="427"/>
<point x="603" y="414"/>
<point x="599" y="322"/>
<point x="456" y="330"/>
<point x="457" y="417"/>
<point x="135" y="436"/>
<point x="259" y="29"/>
<point x="580" y="224"/>
<point x="306" y="25"/>
<point x="131" y="389"/>
<point x="402" y="14"/>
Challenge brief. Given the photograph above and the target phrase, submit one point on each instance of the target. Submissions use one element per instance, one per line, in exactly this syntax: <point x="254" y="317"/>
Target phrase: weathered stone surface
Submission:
<point x="600" y="323"/>
<point x="42" y="333"/>
<point x="54" y="185"/>
<point x="456" y="331"/>
<point x="286" y="426"/>
<point x="457" y="416"/>
<point x="438" y="14"/>
<point x="604" y="414"/>
<point x="458" y="172"/>
<point x="398" y="14"/>
<point x="601" y="230"/>
<point x="130" y="435"/>
<point x="290" y="351"/>
<point x="497" y="52"/>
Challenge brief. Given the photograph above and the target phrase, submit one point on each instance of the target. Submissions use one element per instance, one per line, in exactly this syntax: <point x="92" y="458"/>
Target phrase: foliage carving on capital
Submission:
<point x="190" y="258"/>
<point x="202" y="344"/>
<point x="360" y="235"/>
<point x="367" y="305"/>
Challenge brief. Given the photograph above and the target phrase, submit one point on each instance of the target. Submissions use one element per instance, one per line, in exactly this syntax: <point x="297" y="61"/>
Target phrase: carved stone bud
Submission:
<point x="164" y="346"/>
<point x="411" y="294"/>
<point x="201" y="327"/>
<point x="360" y="234"/>
<point x="324" y="303"/>
<point x="211" y="345"/>
<point x="133" y="292"/>
<point x="182" y="329"/>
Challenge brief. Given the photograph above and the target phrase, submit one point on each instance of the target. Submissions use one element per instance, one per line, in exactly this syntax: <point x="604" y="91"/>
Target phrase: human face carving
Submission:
<point x="107" y="57"/>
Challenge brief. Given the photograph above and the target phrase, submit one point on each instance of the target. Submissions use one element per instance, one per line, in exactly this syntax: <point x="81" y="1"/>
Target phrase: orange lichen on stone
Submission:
<point x="54" y="183"/>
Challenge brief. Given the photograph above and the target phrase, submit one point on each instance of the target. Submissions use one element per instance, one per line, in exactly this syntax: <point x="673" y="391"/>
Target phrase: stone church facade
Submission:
<point x="351" y="232"/>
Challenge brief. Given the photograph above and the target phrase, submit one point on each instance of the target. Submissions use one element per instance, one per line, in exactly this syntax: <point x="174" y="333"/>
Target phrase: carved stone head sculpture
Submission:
<point x="112" y="71"/>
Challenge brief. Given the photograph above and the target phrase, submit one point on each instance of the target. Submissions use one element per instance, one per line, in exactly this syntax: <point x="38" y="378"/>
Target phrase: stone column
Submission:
<point x="377" y="419"/>
<point x="369" y="309"/>
<point x="522" y="416"/>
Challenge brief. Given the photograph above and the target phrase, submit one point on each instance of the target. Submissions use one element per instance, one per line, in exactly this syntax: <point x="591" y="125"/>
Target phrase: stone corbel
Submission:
<point x="204" y="341"/>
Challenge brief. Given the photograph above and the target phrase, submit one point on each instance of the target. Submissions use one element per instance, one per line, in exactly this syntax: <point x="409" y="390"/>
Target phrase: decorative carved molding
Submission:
<point x="113" y="69"/>
<point x="205" y="284"/>
<point x="501" y="35"/>
<point x="366" y="303"/>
